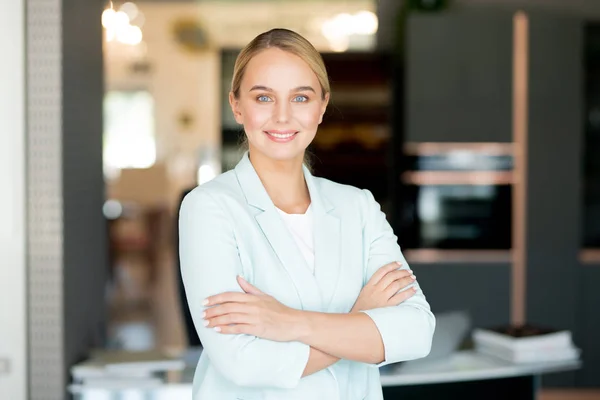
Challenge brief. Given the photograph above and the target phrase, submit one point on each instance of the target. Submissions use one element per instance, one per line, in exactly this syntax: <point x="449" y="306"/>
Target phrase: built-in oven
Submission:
<point x="457" y="196"/>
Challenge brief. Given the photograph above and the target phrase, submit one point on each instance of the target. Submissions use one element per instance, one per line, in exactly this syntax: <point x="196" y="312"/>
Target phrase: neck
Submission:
<point x="283" y="180"/>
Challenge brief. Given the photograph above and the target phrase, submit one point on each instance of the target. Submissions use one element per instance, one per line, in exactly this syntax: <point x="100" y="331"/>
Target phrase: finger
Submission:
<point x="402" y="296"/>
<point x="226" y="308"/>
<point x="226" y="297"/>
<point x="393" y="276"/>
<point x="247" y="287"/>
<point x="228" y="319"/>
<point x="398" y="285"/>
<point x="237" y="329"/>
<point x="381" y="272"/>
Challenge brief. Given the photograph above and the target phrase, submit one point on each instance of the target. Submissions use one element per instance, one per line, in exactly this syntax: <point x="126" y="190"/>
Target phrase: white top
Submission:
<point x="301" y="228"/>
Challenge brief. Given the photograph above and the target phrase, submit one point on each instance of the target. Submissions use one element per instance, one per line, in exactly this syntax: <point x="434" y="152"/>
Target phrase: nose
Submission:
<point x="282" y="112"/>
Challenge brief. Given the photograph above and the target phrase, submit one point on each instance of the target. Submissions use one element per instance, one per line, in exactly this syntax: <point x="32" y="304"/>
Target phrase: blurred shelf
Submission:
<point x="435" y="148"/>
<point x="339" y="113"/>
<point x="589" y="256"/>
<point x="443" y="256"/>
<point x="458" y="178"/>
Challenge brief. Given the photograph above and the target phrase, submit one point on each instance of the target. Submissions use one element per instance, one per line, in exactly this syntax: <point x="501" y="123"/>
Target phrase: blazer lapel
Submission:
<point x="327" y="236"/>
<point x="278" y="236"/>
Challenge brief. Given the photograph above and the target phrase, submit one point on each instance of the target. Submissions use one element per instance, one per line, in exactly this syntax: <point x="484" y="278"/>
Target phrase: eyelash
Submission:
<point x="304" y="97"/>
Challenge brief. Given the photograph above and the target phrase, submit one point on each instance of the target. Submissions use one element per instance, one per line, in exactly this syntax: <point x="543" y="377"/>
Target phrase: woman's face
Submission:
<point x="280" y="105"/>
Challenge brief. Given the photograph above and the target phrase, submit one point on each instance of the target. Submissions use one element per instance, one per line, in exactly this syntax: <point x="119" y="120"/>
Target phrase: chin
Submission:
<point x="280" y="154"/>
<point x="284" y="155"/>
<point x="280" y="151"/>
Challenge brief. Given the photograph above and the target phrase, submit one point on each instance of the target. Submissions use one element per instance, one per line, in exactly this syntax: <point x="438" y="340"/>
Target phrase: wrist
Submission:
<point x="303" y="325"/>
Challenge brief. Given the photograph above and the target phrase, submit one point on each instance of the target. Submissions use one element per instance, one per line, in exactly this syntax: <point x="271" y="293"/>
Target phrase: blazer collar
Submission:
<point x="257" y="196"/>
<point x="315" y="291"/>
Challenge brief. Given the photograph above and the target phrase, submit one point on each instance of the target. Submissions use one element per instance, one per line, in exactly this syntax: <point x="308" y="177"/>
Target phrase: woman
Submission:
<point x="296" y="284"/>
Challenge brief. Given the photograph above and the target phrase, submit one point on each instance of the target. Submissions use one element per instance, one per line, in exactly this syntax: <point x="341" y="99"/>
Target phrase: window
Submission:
<point x="129" y="139"/>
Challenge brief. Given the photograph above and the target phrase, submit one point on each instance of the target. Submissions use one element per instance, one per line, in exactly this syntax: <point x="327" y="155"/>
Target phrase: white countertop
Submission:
<point x="466" y="366"/>
<point x="459" y="367"/>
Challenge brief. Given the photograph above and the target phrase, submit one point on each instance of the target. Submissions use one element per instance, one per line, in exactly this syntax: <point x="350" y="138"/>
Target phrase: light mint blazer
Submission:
<point x="230" y="226"/>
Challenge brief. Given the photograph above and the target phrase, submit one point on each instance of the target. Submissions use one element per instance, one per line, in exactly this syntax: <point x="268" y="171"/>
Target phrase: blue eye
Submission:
<point x="263" y="99"/>
<point x="300" y="99"/>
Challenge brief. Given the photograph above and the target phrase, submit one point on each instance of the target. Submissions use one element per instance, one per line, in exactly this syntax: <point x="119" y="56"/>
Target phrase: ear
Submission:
<point x="235" y="108"/>
<point x="324" y="107"/>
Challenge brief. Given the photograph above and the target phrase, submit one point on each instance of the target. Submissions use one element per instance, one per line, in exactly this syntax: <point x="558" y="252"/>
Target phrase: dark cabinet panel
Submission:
<point x="591" y="138"/>
<point x="459" y="76"/>
<point x="483" y="290"/>
<point x="554" y="174"/>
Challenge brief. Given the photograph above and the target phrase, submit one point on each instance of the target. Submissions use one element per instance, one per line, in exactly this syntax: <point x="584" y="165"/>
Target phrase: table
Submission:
<point x="468" y="375"/>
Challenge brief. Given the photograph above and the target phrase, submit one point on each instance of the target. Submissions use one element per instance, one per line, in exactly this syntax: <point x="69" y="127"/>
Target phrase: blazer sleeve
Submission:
<point x="406" y="329"/>
<point x="209" y="265"/>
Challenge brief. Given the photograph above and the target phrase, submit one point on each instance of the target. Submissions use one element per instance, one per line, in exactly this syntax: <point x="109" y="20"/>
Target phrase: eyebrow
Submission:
<point x="297" y="89"/>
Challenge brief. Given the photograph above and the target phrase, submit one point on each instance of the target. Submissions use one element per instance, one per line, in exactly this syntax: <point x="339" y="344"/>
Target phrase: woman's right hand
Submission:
<point x="383" y="289"/>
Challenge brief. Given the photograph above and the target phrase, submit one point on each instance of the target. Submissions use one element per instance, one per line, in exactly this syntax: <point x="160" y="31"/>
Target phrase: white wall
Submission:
<point x="12" y="202"/>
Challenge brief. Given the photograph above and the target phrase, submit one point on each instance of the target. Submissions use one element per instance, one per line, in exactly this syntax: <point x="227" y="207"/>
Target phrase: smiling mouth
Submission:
<point x="281" y="135"/>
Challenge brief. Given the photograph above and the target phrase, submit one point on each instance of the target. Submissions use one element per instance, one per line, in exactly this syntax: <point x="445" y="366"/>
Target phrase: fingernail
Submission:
<point x="413" y="277"/>
<point x="218" y="329"/>
<point x="414" y="289"/>
<point x="204" y="314"/>
<point x="206" y="323"/>
<point x="398" y="262"/>
<point x="205" y="302"/>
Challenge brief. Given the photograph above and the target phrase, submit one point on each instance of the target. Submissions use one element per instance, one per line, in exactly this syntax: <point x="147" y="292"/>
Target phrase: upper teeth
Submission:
<point x="281" y="135"/>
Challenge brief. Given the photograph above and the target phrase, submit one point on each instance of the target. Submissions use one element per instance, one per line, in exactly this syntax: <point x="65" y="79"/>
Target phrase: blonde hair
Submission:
<point x="286" y="40"/>
<point x="291" y="42"/>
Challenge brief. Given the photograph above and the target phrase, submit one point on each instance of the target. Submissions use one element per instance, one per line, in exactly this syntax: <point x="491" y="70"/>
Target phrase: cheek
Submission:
<point x="308" y="117"/>
<point x="255" y="117"/>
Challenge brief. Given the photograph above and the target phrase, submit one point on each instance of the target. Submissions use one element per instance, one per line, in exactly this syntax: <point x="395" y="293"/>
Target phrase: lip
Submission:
<point x="286" y="132"/>
<point x="271" y="135"/>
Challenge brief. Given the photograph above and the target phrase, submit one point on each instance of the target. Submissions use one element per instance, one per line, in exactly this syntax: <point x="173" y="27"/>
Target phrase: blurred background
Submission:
<point x="476" y="125"/>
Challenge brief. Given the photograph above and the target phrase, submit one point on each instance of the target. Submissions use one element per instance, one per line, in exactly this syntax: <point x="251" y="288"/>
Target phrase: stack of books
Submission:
<point x="526" y="344"/>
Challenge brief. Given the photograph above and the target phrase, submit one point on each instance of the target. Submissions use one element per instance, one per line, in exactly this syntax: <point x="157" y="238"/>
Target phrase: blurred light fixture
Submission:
<point x="365" y="23"/>
<point x="130" y="9"/>
<point x="112" y="209"/>
<point x="118" y="24"/>
<point x="205" y="173"/>
<point x="338" y="29"/>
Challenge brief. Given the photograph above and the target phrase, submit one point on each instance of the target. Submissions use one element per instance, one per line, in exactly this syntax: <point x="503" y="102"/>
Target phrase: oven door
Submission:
<point x="457" y="216"/>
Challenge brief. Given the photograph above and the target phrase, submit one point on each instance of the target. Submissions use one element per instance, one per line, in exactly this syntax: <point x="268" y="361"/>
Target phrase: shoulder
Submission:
<point x="346" y="196"/>
<point x="332" y="188"/>
<point x="213" y="192"/>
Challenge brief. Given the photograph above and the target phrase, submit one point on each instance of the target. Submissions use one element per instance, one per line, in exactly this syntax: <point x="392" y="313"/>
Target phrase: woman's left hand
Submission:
<point x="252" y="313"/>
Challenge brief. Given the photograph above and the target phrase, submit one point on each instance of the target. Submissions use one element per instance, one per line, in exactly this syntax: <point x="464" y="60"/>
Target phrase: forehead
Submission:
<point x="279" y="69"/>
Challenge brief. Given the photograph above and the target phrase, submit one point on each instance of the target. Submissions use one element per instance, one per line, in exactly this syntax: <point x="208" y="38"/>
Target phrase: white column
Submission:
<point x="13" y="312"/>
